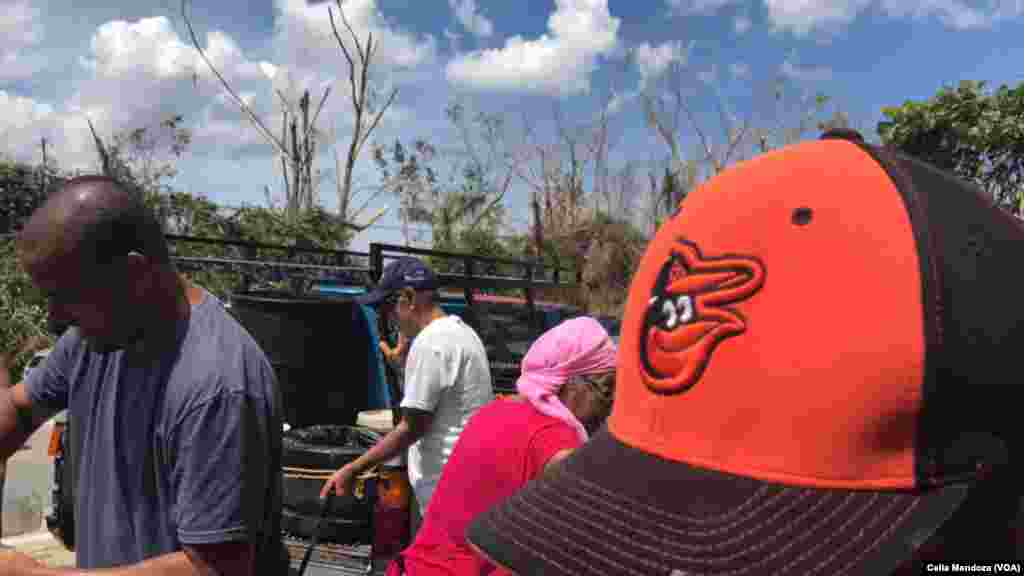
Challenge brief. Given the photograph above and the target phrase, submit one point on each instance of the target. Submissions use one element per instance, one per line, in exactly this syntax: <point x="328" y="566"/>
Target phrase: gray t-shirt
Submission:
<point x="183" y="450"/>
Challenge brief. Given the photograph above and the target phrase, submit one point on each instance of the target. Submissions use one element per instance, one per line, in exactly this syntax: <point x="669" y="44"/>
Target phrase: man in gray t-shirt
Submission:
<point x="175" y="422"/>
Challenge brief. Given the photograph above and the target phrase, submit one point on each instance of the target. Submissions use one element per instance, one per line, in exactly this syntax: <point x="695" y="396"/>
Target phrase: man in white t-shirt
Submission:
<point x="447" y="378"/>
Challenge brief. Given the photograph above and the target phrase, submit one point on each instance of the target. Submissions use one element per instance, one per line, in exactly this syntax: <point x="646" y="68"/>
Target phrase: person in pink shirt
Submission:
<point x="565" y="393"/>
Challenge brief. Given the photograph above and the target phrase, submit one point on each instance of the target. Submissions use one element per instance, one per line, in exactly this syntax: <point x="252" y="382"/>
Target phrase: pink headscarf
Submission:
<point x="576" y="347"/>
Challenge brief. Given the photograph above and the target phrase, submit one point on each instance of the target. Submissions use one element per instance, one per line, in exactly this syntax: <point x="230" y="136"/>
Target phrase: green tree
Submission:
<point x="22" y="189"/>
<point x="975" y="132"/>
<point x="23" y="308"/>
<point x="613" y="250"/>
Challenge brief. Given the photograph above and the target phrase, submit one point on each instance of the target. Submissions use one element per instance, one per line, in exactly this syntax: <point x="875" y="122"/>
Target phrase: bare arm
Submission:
<point x="554" y="460"/>
<point x="228" y="559"/>
<point x="413" y="426"/>
<point x="18" y="417"/>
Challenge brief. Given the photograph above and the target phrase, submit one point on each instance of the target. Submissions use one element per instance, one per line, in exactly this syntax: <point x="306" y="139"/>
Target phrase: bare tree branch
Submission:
<point x="366" y="202"/>
<point x="361" y="131"/>
<point x="256" y="122"/>
<point x="319" y="107"/>
<point x="376" y="120"/>
<point x="102" y="150"/>
<point x="356" y="100"/>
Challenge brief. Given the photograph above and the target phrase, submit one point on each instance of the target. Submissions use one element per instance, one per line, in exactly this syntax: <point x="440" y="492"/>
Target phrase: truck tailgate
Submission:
<point x="332" y="559"/>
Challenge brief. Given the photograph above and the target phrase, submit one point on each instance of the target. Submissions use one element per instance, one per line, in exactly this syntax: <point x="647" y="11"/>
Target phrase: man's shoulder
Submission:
<point x="448" y="332"/>
<point x="219" y="355"/>
<point x="216" y="329"/>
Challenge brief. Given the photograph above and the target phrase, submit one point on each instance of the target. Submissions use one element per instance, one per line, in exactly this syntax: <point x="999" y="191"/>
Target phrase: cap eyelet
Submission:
<point x="802" y="216"/>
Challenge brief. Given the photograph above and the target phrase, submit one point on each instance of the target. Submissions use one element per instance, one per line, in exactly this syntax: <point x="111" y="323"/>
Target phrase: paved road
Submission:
<point x="26" y="496"/>
<point x="41" y="546"/>
<point x="27" y="486"/>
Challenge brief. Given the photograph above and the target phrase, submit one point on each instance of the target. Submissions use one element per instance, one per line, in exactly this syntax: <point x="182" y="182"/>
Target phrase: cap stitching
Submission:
<point x="883" y="536"/>
<point x="532" y="550"/>
<point x="758" y="495"/>
<point x="842" y="527"/>
<point x="719" y="530"/>
<point x="556" y="519"/>
<point x="737" y="539"/>
<point x="512" y="510"/>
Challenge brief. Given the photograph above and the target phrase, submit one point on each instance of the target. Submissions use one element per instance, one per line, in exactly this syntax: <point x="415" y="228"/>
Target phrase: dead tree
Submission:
<point x="365" y="119"/>
<point x="297" y="148"/>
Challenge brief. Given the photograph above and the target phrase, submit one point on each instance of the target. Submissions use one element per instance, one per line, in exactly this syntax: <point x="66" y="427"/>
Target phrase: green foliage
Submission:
<point x="144" y="160"/>
<point x="976" y="133"/>
<point x="614" y="249"/>
<point x="22" y="189"/>
<point x="23" y="308"/>
<point x="146" y="156"/>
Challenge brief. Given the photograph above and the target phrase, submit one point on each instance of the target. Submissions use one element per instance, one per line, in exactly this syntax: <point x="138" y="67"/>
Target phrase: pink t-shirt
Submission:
<point x="504" y="445"/>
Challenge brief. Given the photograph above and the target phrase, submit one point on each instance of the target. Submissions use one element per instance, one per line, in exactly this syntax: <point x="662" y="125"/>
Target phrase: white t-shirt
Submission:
<point x="447" y="373"/>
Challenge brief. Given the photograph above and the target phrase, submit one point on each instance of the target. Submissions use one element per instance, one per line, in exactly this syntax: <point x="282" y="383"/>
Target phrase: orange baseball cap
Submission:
<point x="818" y="355"/>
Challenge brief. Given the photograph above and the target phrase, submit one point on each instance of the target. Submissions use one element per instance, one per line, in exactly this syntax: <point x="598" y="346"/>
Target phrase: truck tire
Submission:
<point x="310" y="455"/>
<point x="334" y="530"/>
<point x="325" y="446"/>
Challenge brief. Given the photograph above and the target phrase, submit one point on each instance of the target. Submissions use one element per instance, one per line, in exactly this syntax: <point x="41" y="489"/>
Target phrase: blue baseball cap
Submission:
<point x="406" y="272"/>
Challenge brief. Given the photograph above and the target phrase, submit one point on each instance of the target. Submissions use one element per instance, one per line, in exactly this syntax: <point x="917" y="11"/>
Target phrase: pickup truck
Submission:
<point x="309" y="331"/>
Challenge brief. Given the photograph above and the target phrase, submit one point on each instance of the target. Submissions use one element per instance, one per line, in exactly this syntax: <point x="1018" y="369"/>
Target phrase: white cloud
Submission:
<point x="19" y="112"/>
<point x="305" y="40"/>
<point x="307" y="55"/>
<point x="269" y="70"/>
<point x="619" y="101"/>
<point x="742" y="24"/>
<point x="138" y="73"/>
<point x="24" y="122"/>
<point x="652" y="61"/>
<point x="957" y="14"/>
<point x="794" y="71"/>
<point x="802" y="17"/>
<point x="560" y="61"/>
<point x="740" y="70"/>
<point x="468" y="15"/>
<point x="684" y="7"/>
<point x="708" y="76"/>
<point x="21" y="30"/>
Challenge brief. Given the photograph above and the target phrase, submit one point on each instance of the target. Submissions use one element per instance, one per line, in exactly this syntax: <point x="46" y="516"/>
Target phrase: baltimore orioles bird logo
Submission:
<point x="687" y="315"/>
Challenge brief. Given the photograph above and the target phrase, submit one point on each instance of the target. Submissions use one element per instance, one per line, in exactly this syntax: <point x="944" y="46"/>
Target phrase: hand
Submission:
<point x="341" y="482"/>
<point x="393" y="355"/>
<point x="6" y="380"/>
<point x="14" y="563"/>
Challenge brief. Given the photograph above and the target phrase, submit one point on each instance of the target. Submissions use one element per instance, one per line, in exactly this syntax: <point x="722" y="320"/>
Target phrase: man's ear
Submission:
<point x="137" y="265"/>
<point x="137" y="261"/>
<point x="410" y="296"/>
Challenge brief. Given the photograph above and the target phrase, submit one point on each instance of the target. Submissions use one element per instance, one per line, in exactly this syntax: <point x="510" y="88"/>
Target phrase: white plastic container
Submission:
<point x="380" y="421"/>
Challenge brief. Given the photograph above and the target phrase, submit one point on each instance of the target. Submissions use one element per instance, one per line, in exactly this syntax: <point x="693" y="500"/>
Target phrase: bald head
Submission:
<point x="94" y="220"/>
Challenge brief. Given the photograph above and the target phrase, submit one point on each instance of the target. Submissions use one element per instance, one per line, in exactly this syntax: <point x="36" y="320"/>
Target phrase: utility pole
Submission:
<point x="45" y="165"/>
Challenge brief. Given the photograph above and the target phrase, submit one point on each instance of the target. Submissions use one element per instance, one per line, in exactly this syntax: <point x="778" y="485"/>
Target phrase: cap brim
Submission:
<point x="373" y="298"/>
<point x="612" y="509"/>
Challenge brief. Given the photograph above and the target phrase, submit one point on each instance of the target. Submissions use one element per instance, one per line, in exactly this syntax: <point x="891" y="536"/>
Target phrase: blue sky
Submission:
<point x="128" y="63"/>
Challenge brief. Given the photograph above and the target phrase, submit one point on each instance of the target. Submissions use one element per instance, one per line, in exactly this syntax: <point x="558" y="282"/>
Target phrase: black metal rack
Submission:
<point x="473" y="271"/>
<point x="467" y="273"/>
<point x="248" y="264"/>
<point x="477" y="272"/>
